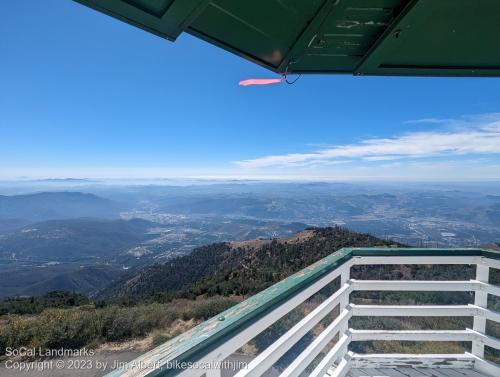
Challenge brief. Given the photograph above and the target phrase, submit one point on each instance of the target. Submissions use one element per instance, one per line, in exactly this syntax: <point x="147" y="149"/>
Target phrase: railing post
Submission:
<point x="480" y="299"/>
<point x="344" y="302"/>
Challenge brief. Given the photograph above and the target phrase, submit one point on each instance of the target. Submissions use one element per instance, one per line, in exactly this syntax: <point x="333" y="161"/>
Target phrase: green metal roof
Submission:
<point x="372" y="37"/>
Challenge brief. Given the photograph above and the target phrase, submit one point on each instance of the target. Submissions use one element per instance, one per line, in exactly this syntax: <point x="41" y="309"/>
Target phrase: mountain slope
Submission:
<point x="56" y="205"/>
<point x="238" y="268"/>
<point x="35" y="281"/>
<point x="74" y="239"/>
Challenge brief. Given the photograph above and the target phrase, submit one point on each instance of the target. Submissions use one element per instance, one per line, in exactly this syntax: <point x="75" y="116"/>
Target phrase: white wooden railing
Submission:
<point x="216" y="339"/>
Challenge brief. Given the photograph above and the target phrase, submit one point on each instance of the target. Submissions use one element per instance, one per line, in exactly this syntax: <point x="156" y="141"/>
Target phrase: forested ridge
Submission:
<point x="239" y="268"/>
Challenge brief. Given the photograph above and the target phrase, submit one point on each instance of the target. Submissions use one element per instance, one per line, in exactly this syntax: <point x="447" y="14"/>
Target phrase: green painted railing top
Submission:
<point x="411" y="251"/>
<point x="200" y="340"/>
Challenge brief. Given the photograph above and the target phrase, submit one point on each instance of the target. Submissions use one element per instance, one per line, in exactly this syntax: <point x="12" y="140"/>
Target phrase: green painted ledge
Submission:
<point x="193" y="344"/>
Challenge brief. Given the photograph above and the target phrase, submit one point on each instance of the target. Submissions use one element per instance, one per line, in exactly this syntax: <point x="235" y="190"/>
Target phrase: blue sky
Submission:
<point x="84" y="95"/>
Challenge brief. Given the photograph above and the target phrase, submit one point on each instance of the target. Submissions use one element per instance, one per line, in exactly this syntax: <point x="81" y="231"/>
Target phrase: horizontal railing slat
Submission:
<point x="413" y="335"/>
<point x="425" y="335"/>
<point x="487" y="339"/>
<point x="489" y="259"/>
<point x="414" y="285"/>
<point x="220" y="352"/>
<point x="392" y="360"/>
<point x="415" y="310"/>
<point x="489" y="288"/>
<point x="489" y="314"/>
<point x="326" y="363"/>
<point x="270" y="355"/>
<point x="484" y="366"/>
<point x="307" y="356"/>
<point x="342" y="369"/>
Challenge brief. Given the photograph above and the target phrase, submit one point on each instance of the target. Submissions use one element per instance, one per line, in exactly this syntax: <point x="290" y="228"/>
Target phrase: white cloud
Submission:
<point x="430" y="120"/>
<point x="472" y="135"/>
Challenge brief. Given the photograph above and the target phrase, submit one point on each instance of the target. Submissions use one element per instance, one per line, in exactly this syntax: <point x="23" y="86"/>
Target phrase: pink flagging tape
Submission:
<point x="260" y="81"/>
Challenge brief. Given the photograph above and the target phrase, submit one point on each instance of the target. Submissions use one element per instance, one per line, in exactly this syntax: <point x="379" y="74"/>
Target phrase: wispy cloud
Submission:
<point x="471" y="135"/>
<point x="431" y="121"/>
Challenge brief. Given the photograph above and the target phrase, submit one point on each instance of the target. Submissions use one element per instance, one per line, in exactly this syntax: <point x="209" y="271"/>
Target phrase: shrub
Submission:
<point x="79" y="327"/>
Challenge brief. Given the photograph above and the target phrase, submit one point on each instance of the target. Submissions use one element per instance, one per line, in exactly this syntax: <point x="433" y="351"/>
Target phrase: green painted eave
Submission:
<point x="361" y="37"/>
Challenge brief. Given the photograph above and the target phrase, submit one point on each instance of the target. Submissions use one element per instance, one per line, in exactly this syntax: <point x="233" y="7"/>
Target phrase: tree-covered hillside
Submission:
<point x="239" y="268"/>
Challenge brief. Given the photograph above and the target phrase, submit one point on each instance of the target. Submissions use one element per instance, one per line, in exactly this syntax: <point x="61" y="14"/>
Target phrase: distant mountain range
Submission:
<point x="312" y="205"/>
<point x="37" y="281"/>
<point x="54" y="205"/>
<point x="75" y="255"/>
<point x="74" y="240"/>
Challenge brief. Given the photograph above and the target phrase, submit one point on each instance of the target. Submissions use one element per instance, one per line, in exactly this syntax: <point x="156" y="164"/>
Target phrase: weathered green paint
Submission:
<point x="457" y="37"/>
<point x="193" y="344"/>
<point x="408" y="252"/>
<point x="346" y="35"/>
<point x="492" y="254"/>
<point x="165" y="18"/>
<point x="363" y="37"/>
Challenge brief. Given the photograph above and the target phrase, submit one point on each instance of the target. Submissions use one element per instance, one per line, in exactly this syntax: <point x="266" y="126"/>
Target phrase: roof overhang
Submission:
<point x="362" y="37"/>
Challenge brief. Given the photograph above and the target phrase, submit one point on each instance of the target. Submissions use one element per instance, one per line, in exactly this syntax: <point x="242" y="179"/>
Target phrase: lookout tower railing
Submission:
<point x="201" y="350"/>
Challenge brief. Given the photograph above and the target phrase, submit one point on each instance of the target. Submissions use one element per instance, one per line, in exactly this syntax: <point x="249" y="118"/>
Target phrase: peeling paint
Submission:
<point x="349" y="24"/>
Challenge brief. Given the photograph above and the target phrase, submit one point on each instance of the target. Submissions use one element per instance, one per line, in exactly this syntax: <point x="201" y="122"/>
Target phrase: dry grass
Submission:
<point x="144" y="344"/>
<point x="255" y="244"/>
